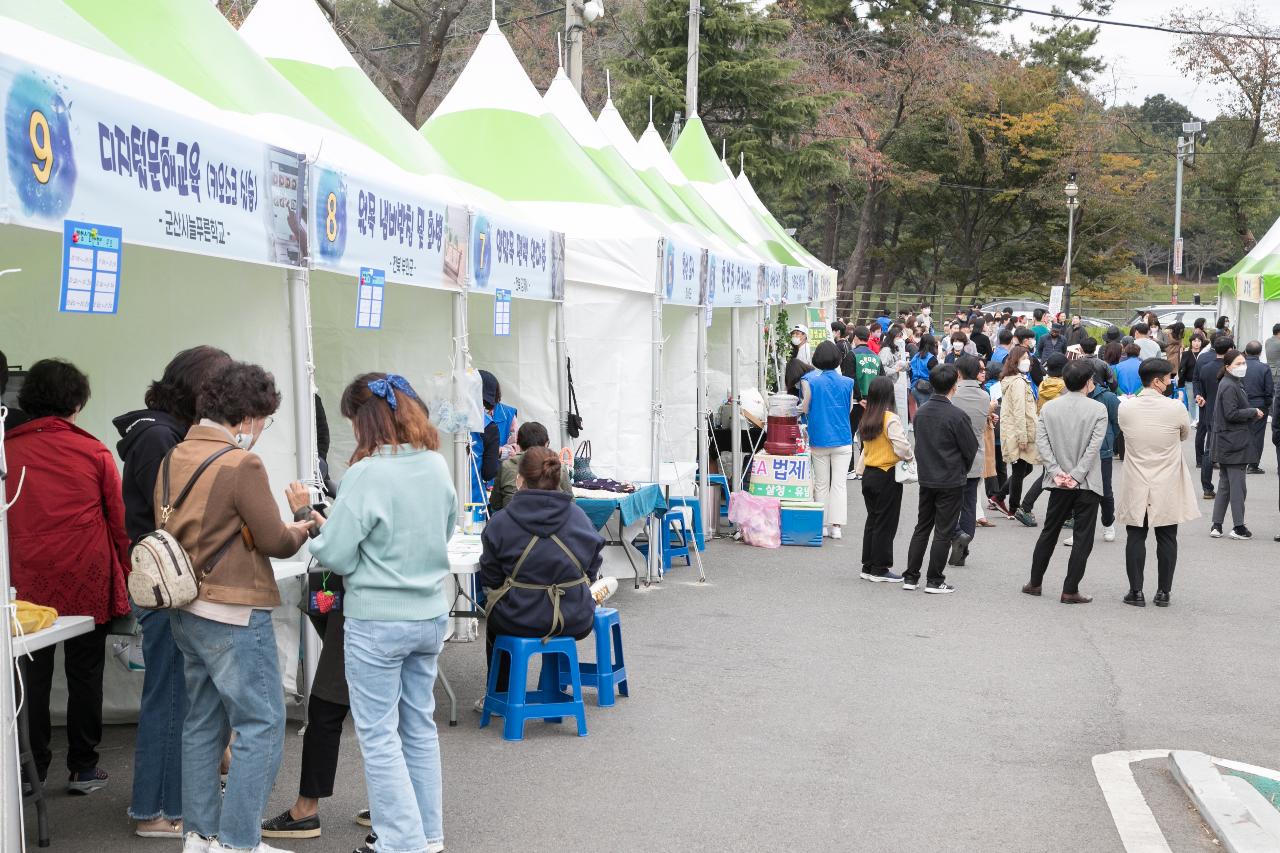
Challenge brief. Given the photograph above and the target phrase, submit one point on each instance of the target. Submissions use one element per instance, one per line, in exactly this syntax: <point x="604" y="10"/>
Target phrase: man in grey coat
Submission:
<point x="1069" y="438"/>
<point x="975" y="402"/>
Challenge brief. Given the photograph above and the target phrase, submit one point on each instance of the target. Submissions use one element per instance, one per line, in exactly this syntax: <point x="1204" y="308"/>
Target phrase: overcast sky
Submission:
<point x="1140" y="62"/>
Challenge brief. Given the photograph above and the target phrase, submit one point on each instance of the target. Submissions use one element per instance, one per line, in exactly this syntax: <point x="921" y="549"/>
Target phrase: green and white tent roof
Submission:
<point x="748" y="193"/>
<point x="697" y="159"/>
<point x="651" y="170"/>
<point x="1262" y="262"/>
<point x="495" y="132"/>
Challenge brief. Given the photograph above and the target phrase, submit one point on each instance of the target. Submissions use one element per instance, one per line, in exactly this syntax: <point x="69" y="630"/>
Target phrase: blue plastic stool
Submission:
<point x="609" y="670"/>
<point x="722" y="481"/>
<point x="676" y="540"/>
<point x="548" y="702"/>
<point x="694" y="504"/>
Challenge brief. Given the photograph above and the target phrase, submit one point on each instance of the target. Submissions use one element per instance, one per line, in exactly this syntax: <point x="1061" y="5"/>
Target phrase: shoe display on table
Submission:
<point x="1241" y="532"/>
<point x="87" y="781"/>
<point x="1215" y="531"/>
<point x="285" y="825"/>
<point x="887" y="577"/>
<point x="1109" y="533"/>
<point x="1162" y="599"/>
<point x="939" y="588"/>
<point x="1136" y="598"/>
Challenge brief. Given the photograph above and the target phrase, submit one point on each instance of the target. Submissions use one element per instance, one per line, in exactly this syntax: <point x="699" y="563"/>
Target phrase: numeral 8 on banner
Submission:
<point x="41" y="146"/>
<point x="331" y="217"/>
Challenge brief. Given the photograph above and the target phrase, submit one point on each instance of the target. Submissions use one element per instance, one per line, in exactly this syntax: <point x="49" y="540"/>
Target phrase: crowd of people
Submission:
<point x="211" y="726"/>
<point x="987" y="412"/>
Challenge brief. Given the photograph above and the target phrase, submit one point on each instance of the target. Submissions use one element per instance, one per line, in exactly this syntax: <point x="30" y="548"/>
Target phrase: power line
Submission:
<point x="554" y="11"/>
<point x="1156" y="27"/>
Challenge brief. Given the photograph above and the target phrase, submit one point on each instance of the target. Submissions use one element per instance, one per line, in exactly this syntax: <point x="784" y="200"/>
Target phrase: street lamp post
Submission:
<point x="1071" y="190"/>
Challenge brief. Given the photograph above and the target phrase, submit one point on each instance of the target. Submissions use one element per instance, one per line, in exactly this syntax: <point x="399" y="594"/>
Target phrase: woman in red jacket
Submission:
<point x="69" y="551"/>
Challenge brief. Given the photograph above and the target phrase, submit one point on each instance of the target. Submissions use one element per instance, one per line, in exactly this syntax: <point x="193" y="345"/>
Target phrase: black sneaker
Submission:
<point x="1025" y="518"/>
<point x="884" y="577"/>
<point x="959" y="549"/>
<point x="362" y="818"/>
<point x="1210" y="494"/>
<point x="87" y="781"/>
<point x="939" y="588"/>
<point x="1241" y="532"/>
<point x="1254" y="469"/>
<point x="910" y="583"/>
<point x="284" y="825"/>
<point x="1215" y="531"/>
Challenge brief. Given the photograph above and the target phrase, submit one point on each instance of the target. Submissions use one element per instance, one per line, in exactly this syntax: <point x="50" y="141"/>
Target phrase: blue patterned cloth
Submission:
<point x="645" y="500"/>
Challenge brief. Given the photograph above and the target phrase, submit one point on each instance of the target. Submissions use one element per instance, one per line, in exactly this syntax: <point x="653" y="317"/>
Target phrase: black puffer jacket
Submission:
<point x="1233" y="419"/>
<point x="528" y="612"/>
<point x="145" y="437"/>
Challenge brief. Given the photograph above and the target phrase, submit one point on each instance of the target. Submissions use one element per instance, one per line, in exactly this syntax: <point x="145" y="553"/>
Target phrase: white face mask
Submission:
<point x="1239" y="372"/>
<point x="797" y="340"/>
<point x="246" y="440"/>
<point x="957" y="346"/>
<point x="1024" y="366"/>
<point x="925" y="312"/>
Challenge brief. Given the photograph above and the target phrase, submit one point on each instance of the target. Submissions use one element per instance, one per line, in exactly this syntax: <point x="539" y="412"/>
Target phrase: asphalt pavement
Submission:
<point x="788" y="705"/>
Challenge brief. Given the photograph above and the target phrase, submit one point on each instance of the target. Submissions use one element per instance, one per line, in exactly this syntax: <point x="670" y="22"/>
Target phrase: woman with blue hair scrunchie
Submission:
<point x="387" y="535"/>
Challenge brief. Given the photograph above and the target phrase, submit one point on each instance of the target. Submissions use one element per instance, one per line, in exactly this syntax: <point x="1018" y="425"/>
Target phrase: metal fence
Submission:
<point x="863" y="306"/>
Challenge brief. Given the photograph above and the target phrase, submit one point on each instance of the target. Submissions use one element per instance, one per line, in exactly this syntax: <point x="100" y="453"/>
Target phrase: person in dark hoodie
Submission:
<point x="486" y="446"/>
<point x="13" y="416"/>
<point x="544" y="540"/>
<point x="146" y="436"/>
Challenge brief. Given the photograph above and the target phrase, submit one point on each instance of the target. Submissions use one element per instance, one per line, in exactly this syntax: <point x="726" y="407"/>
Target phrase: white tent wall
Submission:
<point x="524" y="362"/>
<point x="680" y="384"/>
<point x="416" y="341"/>
<point x="168" y="302"/>
<point x="718" y="355"/>
<point x="610" y="341"/>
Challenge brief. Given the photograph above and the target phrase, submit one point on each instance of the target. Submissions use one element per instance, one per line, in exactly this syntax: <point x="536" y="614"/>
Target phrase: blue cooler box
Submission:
<point x="802" y="524"/>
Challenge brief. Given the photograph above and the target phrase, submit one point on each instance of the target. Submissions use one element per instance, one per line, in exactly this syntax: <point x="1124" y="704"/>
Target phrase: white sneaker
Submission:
<point x="836" y="533"/>
<point x="195" y="844"/>
<point x="1109" y="534"/>
<point x="1068" y="542"/>
<point x="853" y="475"/>
<point x="603" y="588"/>
<point x="263" y="847"/>
<point x="826" y="533"/>
<point x="479" y="709"/>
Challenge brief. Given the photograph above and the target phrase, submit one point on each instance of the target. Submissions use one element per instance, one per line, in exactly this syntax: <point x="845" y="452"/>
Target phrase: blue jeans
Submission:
<point x="233" y="684"/>
<point x="391" y="674"/>
<point x="157" y="756"/>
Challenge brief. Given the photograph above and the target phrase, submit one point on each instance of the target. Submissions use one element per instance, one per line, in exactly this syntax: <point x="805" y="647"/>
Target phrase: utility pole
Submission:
<point x="1186" y="153"/>
<point x="1071" y="190"/>
<point x="691" y="72"/>
<point x="573" y="27"/>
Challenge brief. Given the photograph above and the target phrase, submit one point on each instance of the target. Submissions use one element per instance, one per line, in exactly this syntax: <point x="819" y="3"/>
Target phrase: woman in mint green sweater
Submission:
<point x="387" y="534"/>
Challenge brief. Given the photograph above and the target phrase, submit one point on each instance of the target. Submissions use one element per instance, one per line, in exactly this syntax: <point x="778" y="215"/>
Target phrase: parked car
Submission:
<point x="1017" y="306"/>
<point x="1169" y="314"/>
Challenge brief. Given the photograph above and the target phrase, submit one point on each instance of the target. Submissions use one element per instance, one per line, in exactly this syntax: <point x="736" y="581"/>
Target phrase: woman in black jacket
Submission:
<point x="1233" y="447"/>
<point x="546" y="543"/>
<point x="146" y="436"/>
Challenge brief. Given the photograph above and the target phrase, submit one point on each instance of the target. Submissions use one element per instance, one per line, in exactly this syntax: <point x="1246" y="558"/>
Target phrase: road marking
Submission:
<point x="1139" y="831"/>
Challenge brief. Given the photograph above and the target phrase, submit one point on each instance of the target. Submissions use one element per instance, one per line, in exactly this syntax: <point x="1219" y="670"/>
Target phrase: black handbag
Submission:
<point x="573" y="420"/>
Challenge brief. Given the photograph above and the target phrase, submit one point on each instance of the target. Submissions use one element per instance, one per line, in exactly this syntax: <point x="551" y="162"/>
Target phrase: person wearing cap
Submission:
<point x="1112" y="333"/>
<point x="1054" y="343"/>
<point x="800" y="342"/>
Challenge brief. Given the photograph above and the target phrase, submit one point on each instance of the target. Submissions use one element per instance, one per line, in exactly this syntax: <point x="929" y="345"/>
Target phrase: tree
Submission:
<point x="421" y="27"/>
<point x="1243" y="56"/>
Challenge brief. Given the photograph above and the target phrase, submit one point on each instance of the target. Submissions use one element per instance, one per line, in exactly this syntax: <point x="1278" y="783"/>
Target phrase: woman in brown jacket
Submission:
<point x="231" y="526"/>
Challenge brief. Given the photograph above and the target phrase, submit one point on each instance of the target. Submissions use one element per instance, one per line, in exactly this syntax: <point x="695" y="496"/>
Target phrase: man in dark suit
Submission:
<point x="1208" y="366"/>
<point x="945" y="450"/>
<point x="1260" y="388"/>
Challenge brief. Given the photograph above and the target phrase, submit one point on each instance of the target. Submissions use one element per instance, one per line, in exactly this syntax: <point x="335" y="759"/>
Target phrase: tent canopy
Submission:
<point x="1256" y="277"/>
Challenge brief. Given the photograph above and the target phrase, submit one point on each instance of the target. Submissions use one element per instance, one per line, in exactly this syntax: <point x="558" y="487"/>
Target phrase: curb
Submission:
<point x="1227" y="815"/>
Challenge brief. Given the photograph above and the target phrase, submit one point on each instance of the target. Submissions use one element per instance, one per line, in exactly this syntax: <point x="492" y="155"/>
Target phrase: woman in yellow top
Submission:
<point x="884" y="445"/>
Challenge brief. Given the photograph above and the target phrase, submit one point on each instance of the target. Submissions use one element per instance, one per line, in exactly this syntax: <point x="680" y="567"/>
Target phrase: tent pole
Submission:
<point x="762" y="314"/>
<point x="303" y="397"/>
<point x="461" y="355"/>
<point x="655" y="439"/>
<point x="562" y="374"/>
<point x="710" y="518"/>
<point x="10" y="791"/>
<point x="735" y="400"/>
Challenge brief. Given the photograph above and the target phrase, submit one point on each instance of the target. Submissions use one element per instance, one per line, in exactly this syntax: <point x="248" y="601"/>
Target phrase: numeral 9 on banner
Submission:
<point x="41" y="146"/>
<point x="331" y="217"/>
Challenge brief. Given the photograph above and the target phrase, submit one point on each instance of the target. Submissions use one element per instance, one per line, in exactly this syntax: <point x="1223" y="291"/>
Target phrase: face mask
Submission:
<point x="797" y="340"/>
<point x="1239" y="372"/>
<point x="957" y="346"/>
<point x="245" y="440"/>
<point x="1024" y="366"/>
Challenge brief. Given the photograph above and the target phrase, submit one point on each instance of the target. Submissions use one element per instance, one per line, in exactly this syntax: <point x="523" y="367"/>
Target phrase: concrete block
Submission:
<point x="1226" y="814"/>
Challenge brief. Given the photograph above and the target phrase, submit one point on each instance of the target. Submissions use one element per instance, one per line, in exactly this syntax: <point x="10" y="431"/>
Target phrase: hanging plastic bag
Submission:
<point x="759" y="519"/>
<point x="463" y="414"/>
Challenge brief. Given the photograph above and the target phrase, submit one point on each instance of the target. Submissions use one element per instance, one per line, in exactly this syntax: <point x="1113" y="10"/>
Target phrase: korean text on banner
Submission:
<point x="735" y="281"/>
<point x="684" y="273"/>
<point x="826" y="286"/>
<point x="77" y="150"/>
<point x="516" y="256"/>
<point x="799" y="286"/>
<point x="1055" y="299"/>
<point x="91" y="268"/>
<point x="358" y="222"/>
<point x="772" y="281"/>
<point x="785" y="477"/>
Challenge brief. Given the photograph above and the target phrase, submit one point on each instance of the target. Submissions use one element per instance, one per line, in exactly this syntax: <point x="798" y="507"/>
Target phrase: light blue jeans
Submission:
<point x="233" y="684"/>
<point x="157" y="756"/>
<point x="391" y="675"/>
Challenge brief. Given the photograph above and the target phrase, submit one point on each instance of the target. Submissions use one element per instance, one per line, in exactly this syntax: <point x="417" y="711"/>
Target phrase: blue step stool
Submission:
<point x="548" y="702"/>
<point x="694" y="504"/>
<point x="722" y="481"/>
<point x="676" y="539"/>
<point x="610" y="670"/>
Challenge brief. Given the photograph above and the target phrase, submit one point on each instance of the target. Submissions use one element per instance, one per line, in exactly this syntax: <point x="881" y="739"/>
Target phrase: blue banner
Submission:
<point x="684" y="274"/>
<point x="515" y="256"/>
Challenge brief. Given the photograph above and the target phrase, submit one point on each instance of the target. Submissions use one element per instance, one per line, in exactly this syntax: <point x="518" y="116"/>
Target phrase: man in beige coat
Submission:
<point x="1157" y="489"/>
